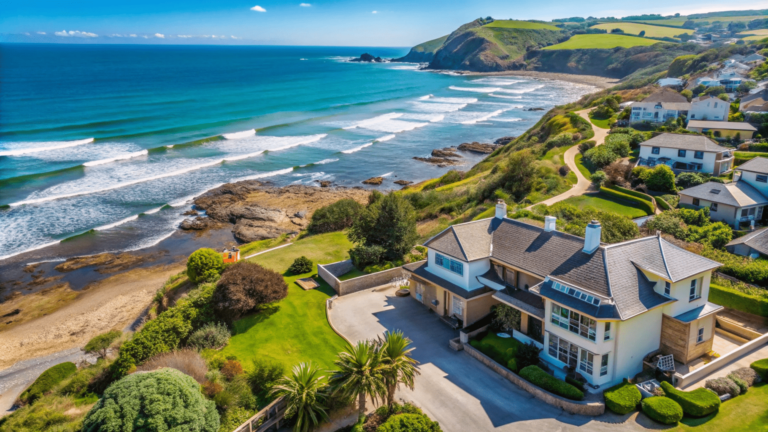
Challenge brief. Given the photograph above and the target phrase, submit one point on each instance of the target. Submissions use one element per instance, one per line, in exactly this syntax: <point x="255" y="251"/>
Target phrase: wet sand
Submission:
<point x="593" y="80"/>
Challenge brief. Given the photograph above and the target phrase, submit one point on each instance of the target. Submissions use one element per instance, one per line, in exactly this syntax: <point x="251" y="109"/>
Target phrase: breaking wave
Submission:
<point x="239" y="135"/>
<point x="52" y="145"/>
<point x="117" y="158"/>
<point x="476" y="89"/>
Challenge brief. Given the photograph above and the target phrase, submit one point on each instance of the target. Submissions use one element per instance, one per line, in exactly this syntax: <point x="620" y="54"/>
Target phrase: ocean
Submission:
<point x="110" y="143"/>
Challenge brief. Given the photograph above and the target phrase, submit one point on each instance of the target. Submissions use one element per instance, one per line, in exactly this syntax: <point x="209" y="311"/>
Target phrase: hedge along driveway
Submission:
<point x="295" y="329"/>
<point x="748" y="412"/>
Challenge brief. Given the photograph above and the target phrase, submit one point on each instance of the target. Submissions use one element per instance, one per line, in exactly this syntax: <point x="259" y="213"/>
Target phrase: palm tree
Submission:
<point x="360" y="373"/>
<point x="400" y="366"/>
<point x="305" y="394"/>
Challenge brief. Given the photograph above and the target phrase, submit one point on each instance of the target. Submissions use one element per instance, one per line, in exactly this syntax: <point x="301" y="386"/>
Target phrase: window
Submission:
<point x="452" y="265"/>
<point x="698" y="155"/>
<point x="744" y="213"/>
<point x="667" y="288"/>
<point x="752" y="211"/>
<point x="696" y="202"/>
<point x="607" y="335"/>
<point x="604" y="365"/>
<point x="458" y="306"/>
<point x="681" y="153"/>
<point x="575" y="293"/>
<point x="457" y="267"/>
<point x="573" y="322"/>
<point x="700" y="336"/>
<point x="585" y="365"/>
<point x="655" y="150"/>
<point x="762" y="178"/>
<point x="694" y="293"/>
<point x="563" y="350"/>
<point x="441" y="260"/>
<point x="713" y="207"/>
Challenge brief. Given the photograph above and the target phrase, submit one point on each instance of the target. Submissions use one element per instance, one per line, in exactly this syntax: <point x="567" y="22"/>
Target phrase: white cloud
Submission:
<point x="258" y="8"/>
<point x="117" y="35"/>
<point x="375" y="12"/>
<point x="145" y="36"/>
<point x="234" y="37"/>
<point x="133" y="35"/>
<point x="160" y="35"/>
<point x="184" y="36"/>
<point x="305" y="5"/>
<point x="214" y="36"/>
<point x="75" y="33"/>
<point x="41" y="33"/>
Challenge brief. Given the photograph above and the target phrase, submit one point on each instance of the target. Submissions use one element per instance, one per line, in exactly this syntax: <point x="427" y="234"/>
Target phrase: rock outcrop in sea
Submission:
<point x="367" y="58"/>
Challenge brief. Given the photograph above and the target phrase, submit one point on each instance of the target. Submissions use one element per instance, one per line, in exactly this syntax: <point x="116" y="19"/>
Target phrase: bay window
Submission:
<point x="574" y="322"/>
<point x="585" y="365"/>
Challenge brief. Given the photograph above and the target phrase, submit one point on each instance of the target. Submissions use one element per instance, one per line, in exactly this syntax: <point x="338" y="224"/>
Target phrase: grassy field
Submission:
<point x="679" y="21"/>
<point x="352" y="274"/>
<point x="296" y="329"/>
<point x="758" y="34"/>
<point x="585" y="167"/>
<point x="650" y="30"/>
<point x="602" y="123"/>
<point x="602" y="41"/>
<point x="744" y="413"/>
<point x="607" y="203"/>
<point x="521" y="25"/>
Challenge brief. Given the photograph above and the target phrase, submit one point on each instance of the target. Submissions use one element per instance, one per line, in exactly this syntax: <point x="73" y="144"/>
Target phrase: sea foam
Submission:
<point x="51" y="145"/>
<point x="372" y="121"/>
<point x="118" y="223"/>
<point x="117" y="158"/>
<point x="239" y="135"/>
<point x="476" y="89"/>
<point x="357" y="149"/>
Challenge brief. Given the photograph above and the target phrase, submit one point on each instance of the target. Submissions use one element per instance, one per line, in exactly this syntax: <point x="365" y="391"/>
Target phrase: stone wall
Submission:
<point x="573" y="407"/>
<point x="331" y="272"/>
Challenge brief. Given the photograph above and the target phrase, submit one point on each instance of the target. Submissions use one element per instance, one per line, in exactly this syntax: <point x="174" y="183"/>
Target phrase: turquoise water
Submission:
<point x="119" y="139"/>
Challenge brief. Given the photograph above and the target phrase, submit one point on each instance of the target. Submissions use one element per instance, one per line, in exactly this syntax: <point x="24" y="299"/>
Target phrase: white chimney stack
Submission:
<point x="592" y="237"/>
<point x="501" y="209"/>
<point x="550" y="223"/>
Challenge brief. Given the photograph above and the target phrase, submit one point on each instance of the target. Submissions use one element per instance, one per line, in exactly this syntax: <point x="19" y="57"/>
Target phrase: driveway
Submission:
<point x="459" y="392"/>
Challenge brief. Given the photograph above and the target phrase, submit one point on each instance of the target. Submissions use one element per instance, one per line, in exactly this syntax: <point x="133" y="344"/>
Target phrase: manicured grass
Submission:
<point x="601" y="201"/>
<point x="602" y="41"/>
<point x="521" y="25"/>
<point x="261" y="245"/>
<point x="352" y="274"/>
<point x="585" y="167"/>
<point x="501" y="344"/>
<point x="747" y="412"/>
<point x="602" y="123"/>
<point x="295" y="329"/>
<point x="650" y="30"/>
<point x="757" y="34"/>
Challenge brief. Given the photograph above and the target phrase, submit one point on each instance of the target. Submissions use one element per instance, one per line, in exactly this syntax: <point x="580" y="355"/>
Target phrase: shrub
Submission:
<point x="761" y="367"/>
<point x="210" y="336"/>
<point x="234" y="417"/>
<point x="389" y="222"/>
<point x="598" y="178"/>
<point x="47" y="380"/>
<point x="538" y="377"/>
<point x="204" y="265"/>
<point x="264" y="374"/>
<point x="152" y="401"/>
<point x="527" y="355"/>
<point x="647" y="206"/>
<point x="101" y="343"/>
<point x="697" y="403"/>
<point x="743" y="386"/>
<point x="334" y="217"/>
<point x="245" y="287"/>
<point x="661" y="178"/>
<point x="574" y="382"/>
<point x="689" y="179"/>
<point x="723" y="386"/>
<point x="662" y="409"/>
<point x="746" y="374"/>
<point x="512" y="365"/>
<point x="409" y="423"/>
<point x="622" y="398"/>
<point x="363" y="256"/>
<point x="600" y="156"/>
<point x="505" y="317"/>
<point x="301" y="265"/>
<point x="735" y="299"/>
<point x="585" y="146"/>
<point x="668" y="223"/>
<point x="716" y="234"/>
<point x="186" y="361"/>
<point x="618" y="144"/>
<point x="231" y="369"/>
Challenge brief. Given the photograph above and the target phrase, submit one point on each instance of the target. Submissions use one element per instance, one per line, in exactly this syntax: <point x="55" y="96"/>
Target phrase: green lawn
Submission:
<point x="521" y="25"/>
<point x="501" y="344"/>
<point x="602" y="41"/>
<point x="296" y="329"/>
<point x="585" y="167"/>
<point x="758" y="34"/>
<point x="602" y="123"/>
<point x="650" y="30"/>
<point x="748" y="412"/>
<point x="607" y="203"/>
<point x="677" y="22"/>
<point x="352" y="274"/>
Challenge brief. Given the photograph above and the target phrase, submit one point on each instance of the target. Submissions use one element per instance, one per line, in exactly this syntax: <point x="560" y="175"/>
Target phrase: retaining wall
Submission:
<point x="331" y="272"/>
<point x="573" y="407"/>
<point x="683" y="381"/>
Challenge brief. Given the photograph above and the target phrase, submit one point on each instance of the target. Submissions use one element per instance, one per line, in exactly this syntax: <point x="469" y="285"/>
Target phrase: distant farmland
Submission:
<point x="758" y="34"/>
<point x="602" y="41"/>
<point x="521" y="25"/>
<point x="650" y="30"/>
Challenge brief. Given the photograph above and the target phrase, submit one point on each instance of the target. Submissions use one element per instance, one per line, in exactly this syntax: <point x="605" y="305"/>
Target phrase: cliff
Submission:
<point x="422" y="53"/>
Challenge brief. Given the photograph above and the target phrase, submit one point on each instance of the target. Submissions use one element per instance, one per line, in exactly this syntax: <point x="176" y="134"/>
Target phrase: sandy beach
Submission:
<point x="593" y="80"/>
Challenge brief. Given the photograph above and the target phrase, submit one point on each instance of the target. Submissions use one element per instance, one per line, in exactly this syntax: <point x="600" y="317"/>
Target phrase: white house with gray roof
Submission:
<point x="596" y="308"/>
<point x="686" y="152"/>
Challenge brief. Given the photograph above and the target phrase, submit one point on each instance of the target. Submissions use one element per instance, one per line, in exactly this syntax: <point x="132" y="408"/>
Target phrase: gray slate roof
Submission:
<point x="725" y="125"/>
<point x="665" y="95"/>
<point x="684" y="142"/>
<point x="757" y="165"/>
<point x="757" y="240"/>
<point x="468" y="241"/>
<point x="419" y="269"/>
<point x="699" y="312"/>
<point x="736" y="194"/>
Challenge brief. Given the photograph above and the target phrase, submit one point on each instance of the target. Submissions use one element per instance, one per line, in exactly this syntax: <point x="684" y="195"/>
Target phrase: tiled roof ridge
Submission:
<point x="458" y="241"/>
<point x="665" y="242"/>
<point x="608" y="281"/>
<point x="664" y="257"/>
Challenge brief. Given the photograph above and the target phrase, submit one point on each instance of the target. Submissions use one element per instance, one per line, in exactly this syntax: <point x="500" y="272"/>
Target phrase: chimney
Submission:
<point x="501" y="209"/>
<point x="592" y="237"/>
<point x="550" y="223"/>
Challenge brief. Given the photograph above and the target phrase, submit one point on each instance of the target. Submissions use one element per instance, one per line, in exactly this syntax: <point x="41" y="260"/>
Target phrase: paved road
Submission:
<point x="455" y="389"/>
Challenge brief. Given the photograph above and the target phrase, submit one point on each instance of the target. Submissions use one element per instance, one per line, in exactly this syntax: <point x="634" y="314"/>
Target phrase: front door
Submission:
<point x="534" y="329"/>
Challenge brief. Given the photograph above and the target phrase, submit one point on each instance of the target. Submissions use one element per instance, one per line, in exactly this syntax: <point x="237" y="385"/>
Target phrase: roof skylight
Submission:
<point x="573" y="292"/>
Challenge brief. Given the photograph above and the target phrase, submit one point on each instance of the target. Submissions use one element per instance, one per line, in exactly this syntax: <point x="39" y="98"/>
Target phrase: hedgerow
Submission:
<point x="622" y="398"/>
<point x="662" y="409"/>
<point x="536" y="376"/>
<point x="697" y="403"/>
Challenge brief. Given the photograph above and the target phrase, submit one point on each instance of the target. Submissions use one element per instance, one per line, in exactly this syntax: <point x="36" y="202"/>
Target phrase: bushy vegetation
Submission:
<point x="186" y="361"/>
<point x="622" y="398"/>
<point x="153" y="401"/>
<point x="536" y="376"/>
<point x="409" y="423"/>
<point x="761" y="367"/>
<point x="204" y="265"/>
<point x="211" y="335"/>
<point x="301" y="265"/>
<point x="693" y="226"/>
<point x="662" y="409"/>
<point x="335" y="217"/>
<point x="722" y="386"/>
<point x="245" y="287"/>
<point x="101" y="343"/>
<point x="615" y="228"/>
<point x="389" y="223"/>
<point x="749" y="270"/>
<point x="660" y="178"/>
<point x="46" y="381"/>
<point x="697" y="403"/>
<point x="746" y="374"/>
<point x="739" y="297"/>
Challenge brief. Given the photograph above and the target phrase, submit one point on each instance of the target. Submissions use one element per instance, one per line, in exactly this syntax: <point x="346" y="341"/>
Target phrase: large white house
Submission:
<point x="660" y="106"/>
<point x="685" y="152"/>
<point x="597" y="308"/>
<point x="709" y="108"/>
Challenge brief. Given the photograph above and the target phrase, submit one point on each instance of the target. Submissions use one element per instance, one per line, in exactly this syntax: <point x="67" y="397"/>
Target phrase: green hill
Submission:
<point x="602" y="41"/>
<point x="522" y="25"/>
<point x="423" y="53"/>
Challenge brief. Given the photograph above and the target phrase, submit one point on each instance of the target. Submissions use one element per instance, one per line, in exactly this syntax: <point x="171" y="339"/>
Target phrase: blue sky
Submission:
<point x="287" y="22"/>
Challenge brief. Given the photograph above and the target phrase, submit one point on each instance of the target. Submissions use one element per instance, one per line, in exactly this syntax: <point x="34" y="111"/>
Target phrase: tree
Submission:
<point x="301" y="265"/>
<point x="690" y="179"/>
<point x="519" y="177"/>
<point x="400" y="367"/>
<point x="204" y="265"/>
<point x="335" y="217"/>
<point x="598" y="178"/>
<point x="642" y="33"/>
<point x="601" y="156"/>
<point x="723" y="97"/>
<point x="661" y="178"/>
<point x="101" y="343"/>
<point x="618" y="144"/>
<point x="688" y="94"/>
<point x="153" y="401"/>
<point x="506" y="317"/>
<point x="360" y="373"/>
<point x="389" y="222"/>
<point x="305" y="393"/>
<point x="245" y="287"/>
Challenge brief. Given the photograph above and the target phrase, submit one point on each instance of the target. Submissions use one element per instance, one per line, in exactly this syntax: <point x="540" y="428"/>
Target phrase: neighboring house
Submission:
<point x="734" y="58"/>
<point x="752" y="244"/>
<point x="660" y="106"/>
<point x="753" y="58"/>
<point x="756" y="102"/>
<point x="597" y="308"/>
<point x="724" y="129"/>
<point x="686" y="153"/>
<point x="708" y="108"/>
<point x="671" y="82"/>
<point x="731" y="203"/>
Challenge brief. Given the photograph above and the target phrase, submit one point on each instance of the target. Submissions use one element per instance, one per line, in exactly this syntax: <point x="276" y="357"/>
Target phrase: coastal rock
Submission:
<point x="367" y="58"/>
<point x="199" y="224"/>
<point x="448" y="152"/>
<point x="324" y="183"/>
<point x="249" y="231"/>
<point x="403" y="182"/>
<point x="255" y="212"/>
<point x="441" y="162"/>
<point x="374" y="181"/>
<point x="107" y="262"/>
<point x="300" y="214"/>
<point x="190" y="213"/>
<point x="505" y="140"/>
<point x="534" y="109"/>
<point x="477" y="147"/>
